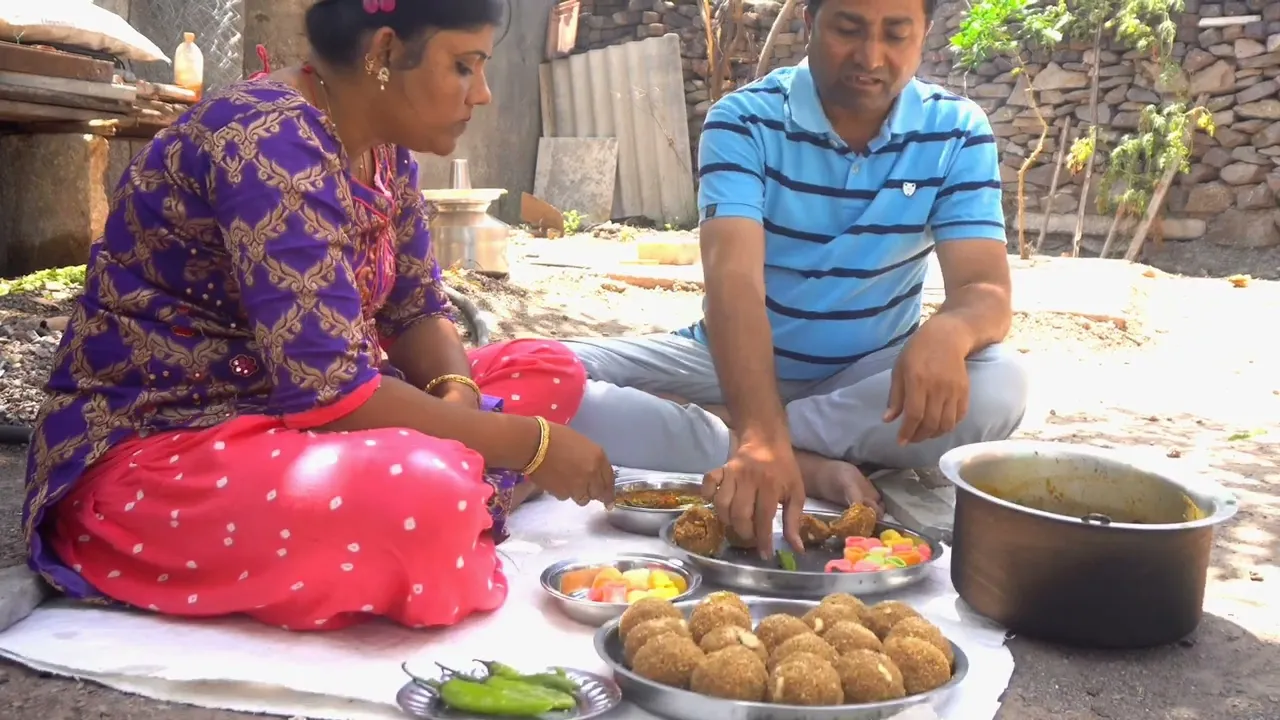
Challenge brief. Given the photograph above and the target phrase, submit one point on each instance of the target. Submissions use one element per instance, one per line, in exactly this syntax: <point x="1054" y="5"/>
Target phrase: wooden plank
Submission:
<point x="547" y="100"/>
<point x="43" y="60"/>
<point x="59" y="99"/>
<point x="1217" y="22"/>
<point x="26" y="112"/>
<point x="102" y="91"/>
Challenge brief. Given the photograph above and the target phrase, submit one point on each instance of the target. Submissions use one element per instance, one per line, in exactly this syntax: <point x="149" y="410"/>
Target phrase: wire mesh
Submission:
<point x="219" y="29"/>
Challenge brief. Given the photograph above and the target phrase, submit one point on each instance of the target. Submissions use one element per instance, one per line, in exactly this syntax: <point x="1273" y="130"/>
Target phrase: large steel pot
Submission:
<point x="1082" y="545"/>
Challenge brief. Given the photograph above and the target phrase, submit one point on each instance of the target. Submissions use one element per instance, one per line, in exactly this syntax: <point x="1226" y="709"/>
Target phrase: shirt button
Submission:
<point x="857" y="169"/>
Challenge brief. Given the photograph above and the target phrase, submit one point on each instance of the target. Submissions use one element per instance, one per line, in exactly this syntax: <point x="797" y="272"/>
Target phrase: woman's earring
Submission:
<point x="384" y="76"/>
<point x="370" y="64"/>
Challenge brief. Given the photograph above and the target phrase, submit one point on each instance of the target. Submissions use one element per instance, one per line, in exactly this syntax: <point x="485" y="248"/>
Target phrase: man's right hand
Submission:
<point x="747" y="489"/>
<point x="575" y="469"/>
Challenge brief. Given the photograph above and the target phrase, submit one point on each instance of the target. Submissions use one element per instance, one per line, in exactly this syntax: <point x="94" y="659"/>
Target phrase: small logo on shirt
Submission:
<point x="709" y="212"/>
<point x="908" y="189"/>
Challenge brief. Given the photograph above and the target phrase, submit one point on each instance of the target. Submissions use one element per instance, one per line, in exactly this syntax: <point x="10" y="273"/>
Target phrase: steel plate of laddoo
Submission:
<point x="776" y="664"/>
<point x="744" y="569"/>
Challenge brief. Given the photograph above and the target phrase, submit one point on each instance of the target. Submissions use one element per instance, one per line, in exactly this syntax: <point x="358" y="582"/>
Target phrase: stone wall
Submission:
<point x="603" y="23"/>
<point x="1228" y="197"/>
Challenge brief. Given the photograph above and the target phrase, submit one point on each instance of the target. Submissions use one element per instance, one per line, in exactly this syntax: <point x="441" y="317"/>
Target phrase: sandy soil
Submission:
<point x="1191" y="377"/>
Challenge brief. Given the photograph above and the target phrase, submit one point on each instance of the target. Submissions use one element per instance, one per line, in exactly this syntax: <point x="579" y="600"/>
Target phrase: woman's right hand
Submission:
<point x="574" y="468"/>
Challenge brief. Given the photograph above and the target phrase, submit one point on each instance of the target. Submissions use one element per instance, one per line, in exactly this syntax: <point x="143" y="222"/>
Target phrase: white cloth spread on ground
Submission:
<point x="237" y="664"/>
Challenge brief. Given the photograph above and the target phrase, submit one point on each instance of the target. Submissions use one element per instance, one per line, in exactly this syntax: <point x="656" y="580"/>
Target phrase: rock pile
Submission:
<point x="1229" y="196"/>
<point x="603" y="23"/>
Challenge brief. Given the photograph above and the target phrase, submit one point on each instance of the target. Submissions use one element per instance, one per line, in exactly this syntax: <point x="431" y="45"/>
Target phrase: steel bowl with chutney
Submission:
<point x="645" y="504"/>
<point x="1082" y="545"/>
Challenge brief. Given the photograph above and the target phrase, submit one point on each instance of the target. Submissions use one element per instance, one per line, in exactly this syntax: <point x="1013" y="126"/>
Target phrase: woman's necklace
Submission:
<point x="328" y="106"/>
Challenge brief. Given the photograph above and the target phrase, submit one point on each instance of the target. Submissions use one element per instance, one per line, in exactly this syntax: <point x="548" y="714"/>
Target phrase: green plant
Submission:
<point x="1143" y="25"/>
<point x="1012" y="29"/>
<point x="1140" y="159"/>
<point x="572" y="222"/>
<point x="45" y="282"/>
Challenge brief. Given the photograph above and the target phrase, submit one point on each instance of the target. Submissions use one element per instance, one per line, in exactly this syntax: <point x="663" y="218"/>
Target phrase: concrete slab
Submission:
<point x="915" y="505"/>
<point x="578" y="175"/>
<point x="21" y="591"/>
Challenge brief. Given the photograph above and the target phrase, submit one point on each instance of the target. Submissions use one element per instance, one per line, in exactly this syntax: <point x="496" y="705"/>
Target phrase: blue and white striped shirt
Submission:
<point x="847" y="235"/>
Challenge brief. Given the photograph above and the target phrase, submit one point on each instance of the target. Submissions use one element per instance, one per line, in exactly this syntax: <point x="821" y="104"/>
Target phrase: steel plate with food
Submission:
<point x="850" y="552"/>
<point x="643" y="505"/>
<point x="594" y="591"/>
<point x="749" y="658"/>
<point x="498" y="690"/>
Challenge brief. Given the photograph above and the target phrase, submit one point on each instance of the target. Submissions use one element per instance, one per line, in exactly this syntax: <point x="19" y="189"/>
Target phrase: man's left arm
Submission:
<point x="968" y="226"/>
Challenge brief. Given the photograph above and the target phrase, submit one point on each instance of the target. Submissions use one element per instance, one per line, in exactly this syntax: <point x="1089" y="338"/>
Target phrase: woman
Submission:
<point x="225" y="432"/>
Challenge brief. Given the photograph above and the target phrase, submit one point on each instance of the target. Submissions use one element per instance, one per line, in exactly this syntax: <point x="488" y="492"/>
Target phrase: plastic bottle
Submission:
<point x="188" y="65"/>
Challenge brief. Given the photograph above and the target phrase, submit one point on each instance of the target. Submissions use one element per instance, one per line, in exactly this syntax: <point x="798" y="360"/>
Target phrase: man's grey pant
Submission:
<point x="840" y="417"/>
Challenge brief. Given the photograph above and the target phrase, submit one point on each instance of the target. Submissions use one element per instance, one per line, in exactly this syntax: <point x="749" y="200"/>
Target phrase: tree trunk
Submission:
<point x="1111" y="233"/>
<point x="1024" y="248"/>
<point x="1093" y="120"/>
<point x="784" y="16"/>
<point x="278" y="26"/>
<point x="1053" y="184"/>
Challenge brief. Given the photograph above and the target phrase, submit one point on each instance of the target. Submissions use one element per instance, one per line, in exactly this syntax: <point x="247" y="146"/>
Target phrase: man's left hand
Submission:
<point x="929" y="389"/>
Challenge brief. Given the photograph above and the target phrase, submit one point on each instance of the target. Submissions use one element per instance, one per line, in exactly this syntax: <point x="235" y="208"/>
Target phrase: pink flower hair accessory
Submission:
<point x="374" y="7"/>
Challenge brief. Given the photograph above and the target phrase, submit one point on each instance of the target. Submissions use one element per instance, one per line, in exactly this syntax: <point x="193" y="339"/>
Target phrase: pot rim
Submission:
<point x="1201" y="489"/>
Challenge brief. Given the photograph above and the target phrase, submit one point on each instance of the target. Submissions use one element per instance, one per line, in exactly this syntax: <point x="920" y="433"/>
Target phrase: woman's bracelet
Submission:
<point x="544" y="442"/>
<point x="452" y="378"/>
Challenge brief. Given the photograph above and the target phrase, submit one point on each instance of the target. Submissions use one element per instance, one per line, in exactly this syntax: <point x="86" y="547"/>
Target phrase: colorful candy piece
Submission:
<point x="895" y="561"/>
<point x="839" y="565"/>
<point x="864" y="543"/>
<point x="925" y="551"/>
<point x="666" y="593"/>
<point x="910" y="558"/>
<point x="854" y="554"/>
<point x="866" y="566"/>
<point x="888" y="537"/>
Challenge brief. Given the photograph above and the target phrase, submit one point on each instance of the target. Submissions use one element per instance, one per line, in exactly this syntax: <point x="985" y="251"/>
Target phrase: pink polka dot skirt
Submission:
<point x="308" y="530"/>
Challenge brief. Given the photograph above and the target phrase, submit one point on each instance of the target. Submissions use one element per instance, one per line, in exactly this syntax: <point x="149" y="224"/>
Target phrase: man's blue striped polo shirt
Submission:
<point x="847" y="235"/>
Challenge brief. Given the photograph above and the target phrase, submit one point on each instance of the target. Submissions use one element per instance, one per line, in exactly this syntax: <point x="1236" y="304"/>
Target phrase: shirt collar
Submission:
<point x="804" y="109"/>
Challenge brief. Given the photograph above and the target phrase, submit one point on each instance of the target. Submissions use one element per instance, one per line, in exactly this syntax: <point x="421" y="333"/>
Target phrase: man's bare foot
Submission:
<point x="836" y="482"/>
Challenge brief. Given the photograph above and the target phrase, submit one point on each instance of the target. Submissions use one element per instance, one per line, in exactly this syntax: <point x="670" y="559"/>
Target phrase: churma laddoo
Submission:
<point x="805" y="679"/>
<point x="668" y="659"/>
<point x="806" y="643"/>
<point x="868" y="676"/>
<point x="814" y="531"/>
<point x="923" y="666"/>
<point x="918" y="627"/>
<point x="698" y="531"/>
<point x="650" y="608"/>
<point x="734" y="673"/>
<point x="728" y="636"/>
<point x="823" y="617"/>
<point x="724" y="596"/>
<point x="857" y="521"/>
<point x="779" y="628"/>
<point x="650" y="629"/>
<point x="846" y="637"/>
<point x="709" y="616"/>
<point x="881" y="617"/>
<point x="843" y="599"/>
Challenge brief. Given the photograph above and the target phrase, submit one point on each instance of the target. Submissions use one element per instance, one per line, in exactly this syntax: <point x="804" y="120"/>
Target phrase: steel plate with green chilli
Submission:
<point x="499" y="690"/>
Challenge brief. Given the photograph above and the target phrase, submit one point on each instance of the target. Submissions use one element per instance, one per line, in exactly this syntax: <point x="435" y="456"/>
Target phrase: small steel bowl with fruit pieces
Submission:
<point x="594" y="591"/>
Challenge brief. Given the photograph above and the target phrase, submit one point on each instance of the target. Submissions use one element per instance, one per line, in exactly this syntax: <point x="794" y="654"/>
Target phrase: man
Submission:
<point x="824" y="189"/>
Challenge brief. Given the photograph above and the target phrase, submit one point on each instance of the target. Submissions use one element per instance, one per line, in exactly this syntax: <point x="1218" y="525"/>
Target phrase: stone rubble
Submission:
<point x="1229" y="195"/>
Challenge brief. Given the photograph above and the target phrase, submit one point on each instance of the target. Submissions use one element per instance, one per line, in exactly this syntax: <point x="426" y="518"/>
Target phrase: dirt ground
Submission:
<point x="1193" y="375"/>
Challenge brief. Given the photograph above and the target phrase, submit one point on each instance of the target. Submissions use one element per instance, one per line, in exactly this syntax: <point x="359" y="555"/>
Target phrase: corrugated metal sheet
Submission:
<point x="634" y="92"/>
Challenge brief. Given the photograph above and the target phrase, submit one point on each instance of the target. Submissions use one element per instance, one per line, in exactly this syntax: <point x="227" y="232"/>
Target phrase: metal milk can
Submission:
<point x="463" y="232"/>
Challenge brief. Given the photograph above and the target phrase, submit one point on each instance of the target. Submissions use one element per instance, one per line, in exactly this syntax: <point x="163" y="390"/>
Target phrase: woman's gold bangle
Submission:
<point x="451" y="378"/>
<point x="544" y="442"/>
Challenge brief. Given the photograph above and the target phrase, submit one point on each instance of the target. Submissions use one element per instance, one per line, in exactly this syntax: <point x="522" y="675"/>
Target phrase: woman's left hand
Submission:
<point x="461" y="395"/>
